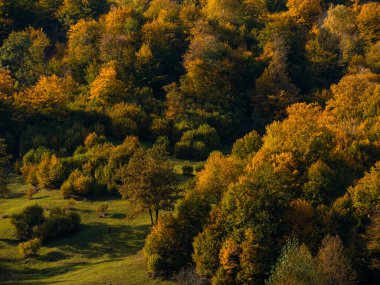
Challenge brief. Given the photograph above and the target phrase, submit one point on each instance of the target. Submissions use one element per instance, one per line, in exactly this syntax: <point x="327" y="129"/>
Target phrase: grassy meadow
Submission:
<point x="105" y="251"/>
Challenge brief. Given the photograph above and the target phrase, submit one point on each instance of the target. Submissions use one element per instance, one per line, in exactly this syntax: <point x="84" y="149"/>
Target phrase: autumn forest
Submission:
<point x="190" y="142"/>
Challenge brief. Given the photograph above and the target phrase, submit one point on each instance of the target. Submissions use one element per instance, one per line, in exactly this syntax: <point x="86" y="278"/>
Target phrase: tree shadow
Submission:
<point x="92" y="241"/>
<point x="99" y="239"/>
<point x="53" y="256"/>
<point x="40" y="197"/>
<point x="118" y="216"/>
<point x="9" y="241"/>
<point x="19" y="276"/>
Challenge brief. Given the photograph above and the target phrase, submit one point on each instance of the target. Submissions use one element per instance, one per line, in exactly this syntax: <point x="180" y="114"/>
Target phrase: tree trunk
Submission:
<point x="156" y="215"/>
<point x="151" y="216"/>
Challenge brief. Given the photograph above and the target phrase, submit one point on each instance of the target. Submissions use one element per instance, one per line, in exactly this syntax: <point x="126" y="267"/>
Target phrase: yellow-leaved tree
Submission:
<point x="106" y="89"/>
<point x="48" y="97"/>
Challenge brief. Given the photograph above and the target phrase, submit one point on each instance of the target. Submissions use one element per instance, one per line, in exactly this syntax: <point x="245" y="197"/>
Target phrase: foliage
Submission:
<point x="295" y="266"/>
<point x="102" y="210"/>
<point x="78" y="184"/>
<point x="30" y="248"/>
<point x="149" y="181"/>
<point x="187" y="168"/>
<point x="197" y="143"/>
<point x="59" y="224"/>
<point x="24" y="54"/>
<point x="4" y="159"/>
<point x="366" y="193"/>
<point x="27" y="222"/>
<point x="83" y="81"/>
<point x="247" y="145"/>
<point x="31" y="223"/>
<point x="333" y="265"/>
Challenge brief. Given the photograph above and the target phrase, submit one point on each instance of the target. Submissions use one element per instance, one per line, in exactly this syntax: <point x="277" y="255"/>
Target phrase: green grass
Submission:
<point x="105" y="250"/>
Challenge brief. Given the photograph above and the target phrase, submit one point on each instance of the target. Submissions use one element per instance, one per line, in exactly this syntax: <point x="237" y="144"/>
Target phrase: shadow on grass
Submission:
<point x="9" y="241"/>
<point x="53" y="256"/>
<point x="93" y="241"/>
<point x="99" y="239"/>
<point x="118" y="216"/>
<point x="40" y="197"/>
<point x="19" y="276"/>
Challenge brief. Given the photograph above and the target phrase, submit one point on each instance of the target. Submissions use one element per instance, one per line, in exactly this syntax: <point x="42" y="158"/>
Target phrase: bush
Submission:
<point x="30" y="248"/>
<point x="248" y="145"/>
<point x="163" y="140"/>
<point x="160" y="127"/>
<point x="127" y="119"/>
<point x="78" y="183"/>
<point x="50" y="172"/>
<point x="187" y="168"/>
<point x="30" y="192"/>
<point x="102" y="210"/>
<point x="59" y="224"/>
<point x="28" y="221"/>
<point x="94" y="139"/>
<point x="197" y="143"/>
<point x="188" y="276"/>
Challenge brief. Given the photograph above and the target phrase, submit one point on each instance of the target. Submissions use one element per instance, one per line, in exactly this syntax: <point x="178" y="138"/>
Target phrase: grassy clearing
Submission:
<point x="105" y="251"/>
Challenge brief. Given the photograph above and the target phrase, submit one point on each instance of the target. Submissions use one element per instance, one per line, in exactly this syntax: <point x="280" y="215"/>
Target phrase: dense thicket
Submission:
<point x="296" y="82"/>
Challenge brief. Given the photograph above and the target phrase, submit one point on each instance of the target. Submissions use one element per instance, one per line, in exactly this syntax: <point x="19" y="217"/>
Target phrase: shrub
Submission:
<point x="28" y="221"/>
<point x="187" y="168"/>
<point x="188" y="276"/>
<point x="66" y="190"/>
<point x="30" y="248"/>
<point x="78" y="183"/>
<point x="127" y="119"/>
<point x="102" y="210"/>
<point x="30" y="192"/>
<point x="50" y="172"/>
<point x="197" y="143"/>
<point x="163" y="140"/>
<point x="160" y="127"/>
<point x="247" y="145"/>
<point x="94" y="139"/>
<point x="59" y="224"/>
<point x="155" y="264"/>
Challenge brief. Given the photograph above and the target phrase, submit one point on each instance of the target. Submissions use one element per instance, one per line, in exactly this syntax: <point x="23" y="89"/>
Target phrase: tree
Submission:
<point x="339" y="22"/>
<point x="82" y="47"/>
<point x="71" y="11"/>
<point x="372" y="241"/>
<point x="7" y="83"/>
<point x="120" y="40"/>
<point x="294" y="266"/>
<point x="247" y="146"/>
<point x="366" y="193"/>
<point x="274" y="89"/>
<point x="50" y="173"/>
<point x="4" y="159"/>
<point x="149" y="182"/>
<point x="107" y="89"/>
<point x="369" y="22"/>
<point x="5" y="20"/>
<point x="24" y="53"/>
<point x="306" y="11"/>
<point x="333" y="266"/>
<point x="164" y="43"/>
<point x="48" y="97"/>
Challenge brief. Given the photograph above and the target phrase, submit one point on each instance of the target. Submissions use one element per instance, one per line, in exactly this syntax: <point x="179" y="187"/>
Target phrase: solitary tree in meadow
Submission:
<point x="148" y="181"/>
